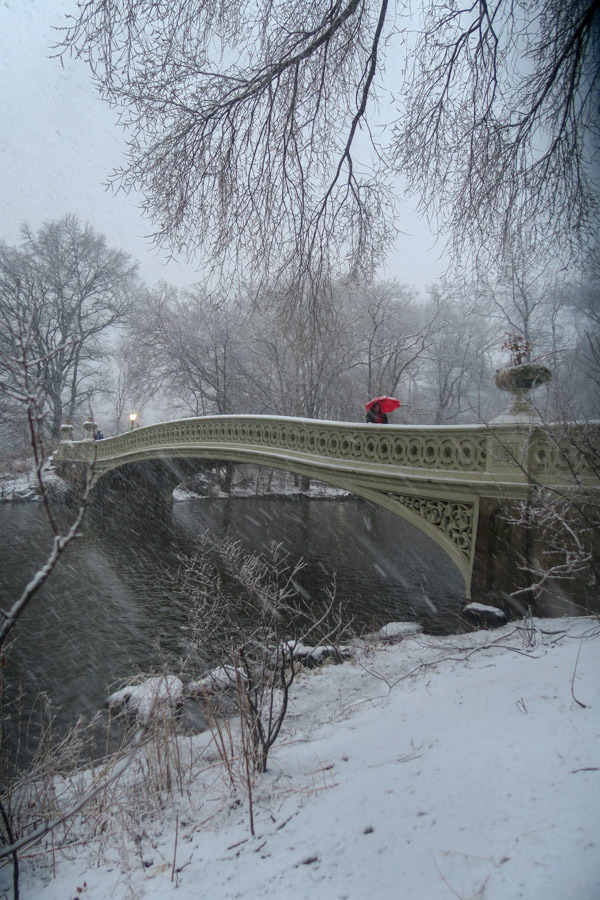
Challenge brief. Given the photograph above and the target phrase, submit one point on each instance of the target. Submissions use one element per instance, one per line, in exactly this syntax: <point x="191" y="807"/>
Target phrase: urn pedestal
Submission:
<point x="90" y="430"/>
<point x="519" y="381"/>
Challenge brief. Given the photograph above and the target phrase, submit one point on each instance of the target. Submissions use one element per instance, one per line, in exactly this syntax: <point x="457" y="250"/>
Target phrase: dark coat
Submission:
<point x="374" y="418"/>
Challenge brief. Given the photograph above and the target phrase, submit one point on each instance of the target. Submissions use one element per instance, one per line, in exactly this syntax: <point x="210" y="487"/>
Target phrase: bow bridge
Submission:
<point x="454" y="483"/>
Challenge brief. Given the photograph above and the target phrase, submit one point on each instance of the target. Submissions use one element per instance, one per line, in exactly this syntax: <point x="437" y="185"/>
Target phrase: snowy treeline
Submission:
<point x="101" y="343"/>
<point x="197" y="354"/>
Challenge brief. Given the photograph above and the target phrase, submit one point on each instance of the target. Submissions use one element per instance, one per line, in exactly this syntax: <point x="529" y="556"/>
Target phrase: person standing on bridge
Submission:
<point x="376" y="416"/>
<point x="378" y="407"/>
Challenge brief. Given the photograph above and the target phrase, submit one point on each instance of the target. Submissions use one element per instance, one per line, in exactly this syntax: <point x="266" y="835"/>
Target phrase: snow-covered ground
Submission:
<point x="19" y="487"/>
<point x="24" y="486"/>
<point x="245" y="484"/>
<point x="436" y="767"/>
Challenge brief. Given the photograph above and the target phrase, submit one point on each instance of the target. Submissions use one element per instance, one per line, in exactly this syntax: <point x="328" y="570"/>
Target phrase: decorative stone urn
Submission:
<point x="519" y="380"/>
<point x="66" y="431"/>
<point x="90" y="430"/>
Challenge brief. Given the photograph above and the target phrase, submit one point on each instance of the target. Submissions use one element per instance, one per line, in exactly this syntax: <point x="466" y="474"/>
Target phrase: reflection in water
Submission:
<point x="112" y="609"/>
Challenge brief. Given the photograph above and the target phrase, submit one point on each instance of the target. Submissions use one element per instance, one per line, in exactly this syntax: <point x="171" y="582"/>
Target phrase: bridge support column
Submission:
<point x="509" y="563"/>
<point x="503" y="553"/>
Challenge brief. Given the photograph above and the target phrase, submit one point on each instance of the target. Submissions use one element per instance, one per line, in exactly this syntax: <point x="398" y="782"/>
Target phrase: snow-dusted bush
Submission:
<point x="251" y="620"/>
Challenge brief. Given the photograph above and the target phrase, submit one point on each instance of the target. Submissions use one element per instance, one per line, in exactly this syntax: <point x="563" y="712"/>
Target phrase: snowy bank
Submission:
<point x="23" y="487"/>
<point x="437" y="767"/>
<point x="251" y="481"/>
<point x="162" y="692"/>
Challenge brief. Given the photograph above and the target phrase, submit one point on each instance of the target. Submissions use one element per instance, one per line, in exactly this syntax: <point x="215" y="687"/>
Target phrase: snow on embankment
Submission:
<point x="429" y="768"/>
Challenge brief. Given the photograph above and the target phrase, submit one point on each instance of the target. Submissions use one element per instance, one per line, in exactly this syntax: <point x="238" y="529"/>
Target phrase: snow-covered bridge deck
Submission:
<point x="448" y="481"/>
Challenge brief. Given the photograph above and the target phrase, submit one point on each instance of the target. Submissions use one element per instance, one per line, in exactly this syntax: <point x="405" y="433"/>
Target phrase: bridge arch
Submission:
<point x="448" y="524"/>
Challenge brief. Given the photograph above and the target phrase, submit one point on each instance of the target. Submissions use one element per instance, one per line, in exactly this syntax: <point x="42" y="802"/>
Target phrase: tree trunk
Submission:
<point x="226" y="481"/>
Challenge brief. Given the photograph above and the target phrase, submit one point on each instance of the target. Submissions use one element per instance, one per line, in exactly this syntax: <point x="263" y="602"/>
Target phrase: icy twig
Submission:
<point x="583" y="705"/>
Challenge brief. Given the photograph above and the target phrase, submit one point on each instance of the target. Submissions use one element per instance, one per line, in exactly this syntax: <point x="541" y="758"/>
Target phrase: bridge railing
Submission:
<point x="505" y="452"/>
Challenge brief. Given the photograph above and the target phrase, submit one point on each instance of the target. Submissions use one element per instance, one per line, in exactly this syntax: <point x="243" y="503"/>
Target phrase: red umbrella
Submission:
<point x="387" y="404"/>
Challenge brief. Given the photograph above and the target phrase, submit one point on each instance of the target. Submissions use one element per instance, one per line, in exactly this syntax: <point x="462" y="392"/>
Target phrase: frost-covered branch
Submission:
<point x="265" y="137"/>
<point x="18" y="356"/>
<point x="246" y="117"/>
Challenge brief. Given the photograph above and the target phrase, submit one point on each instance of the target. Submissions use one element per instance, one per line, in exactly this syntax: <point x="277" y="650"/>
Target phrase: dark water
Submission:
<point x="112" y="607"/>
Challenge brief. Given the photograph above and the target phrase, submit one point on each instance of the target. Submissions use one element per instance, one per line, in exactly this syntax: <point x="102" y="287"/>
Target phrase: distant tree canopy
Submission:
<point x="268" y="136"/>
<point x="200" y="354"/>
<point x="60" y="293"/>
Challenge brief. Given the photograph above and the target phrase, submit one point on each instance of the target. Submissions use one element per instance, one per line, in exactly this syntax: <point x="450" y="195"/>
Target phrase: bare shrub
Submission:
<point x="249" y="618"/>
<point x="64" y="797"/>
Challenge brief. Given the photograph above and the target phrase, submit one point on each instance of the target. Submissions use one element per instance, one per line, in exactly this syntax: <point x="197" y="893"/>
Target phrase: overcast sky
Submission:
<point x="59" y="142"/>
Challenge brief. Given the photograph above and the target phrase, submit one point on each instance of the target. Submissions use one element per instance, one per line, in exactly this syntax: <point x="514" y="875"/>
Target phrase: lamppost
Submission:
<point x="132" y="418"/>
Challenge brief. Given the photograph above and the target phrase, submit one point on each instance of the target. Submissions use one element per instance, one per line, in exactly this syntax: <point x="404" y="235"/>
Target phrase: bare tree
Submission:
<point x="208" y="354"/>
<point x="189" y="346"/>
<point x="243" y="121"/>
<point x="74" y="289"/>
<point x="500" y="125"/>
<point x="125" y="381"/>
<point x="259" y="133"/>
<point x="394" y="331"/>
<point x="528" y="297"/>
<point x="299" y="363"/>
<point x="455" y="376"/>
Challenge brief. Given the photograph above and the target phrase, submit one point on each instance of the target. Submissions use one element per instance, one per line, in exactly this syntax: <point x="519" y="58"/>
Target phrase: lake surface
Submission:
<point x="112" y="607"/>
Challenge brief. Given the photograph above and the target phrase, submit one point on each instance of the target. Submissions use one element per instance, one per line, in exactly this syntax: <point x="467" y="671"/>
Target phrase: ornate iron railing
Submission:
<point x="473" y="450"/>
